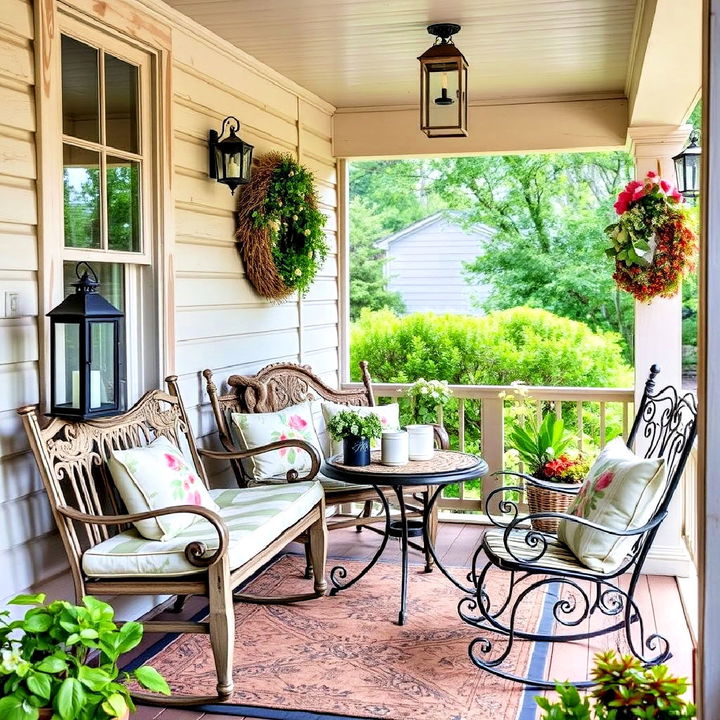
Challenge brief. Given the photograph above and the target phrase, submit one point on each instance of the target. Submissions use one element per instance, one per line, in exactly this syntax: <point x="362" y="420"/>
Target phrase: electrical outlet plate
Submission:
<point x="12" y="304"/>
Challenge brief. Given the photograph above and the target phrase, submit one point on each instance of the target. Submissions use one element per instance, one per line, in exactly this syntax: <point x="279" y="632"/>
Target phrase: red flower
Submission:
<point x="604" y="480"/>
<point x="665" y="186"/>
<point x="651" y="174"/>
<point x="172" y="462"/>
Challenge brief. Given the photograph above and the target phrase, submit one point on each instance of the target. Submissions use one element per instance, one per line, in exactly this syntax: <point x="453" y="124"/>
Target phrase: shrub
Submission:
<point x="525" y="344"/>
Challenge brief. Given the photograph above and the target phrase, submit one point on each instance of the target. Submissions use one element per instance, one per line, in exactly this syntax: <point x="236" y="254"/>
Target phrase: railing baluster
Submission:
<point x="581" y="428"/>
<point x="538" y="411"/>
<point x="602" y="423"/>
<point x="492" y="428"/>
<point x="461" y="424"/>
<point x="558" y="409"/>
<point x="625" y="422"/>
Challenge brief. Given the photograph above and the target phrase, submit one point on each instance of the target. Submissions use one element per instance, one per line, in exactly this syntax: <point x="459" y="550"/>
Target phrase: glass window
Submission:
<point x="123" y="206"/>
<point x="121" y="104"/>
<point x="81" y="114"/>
<point x="81" y="197"/>
<point x="111" y="277"/>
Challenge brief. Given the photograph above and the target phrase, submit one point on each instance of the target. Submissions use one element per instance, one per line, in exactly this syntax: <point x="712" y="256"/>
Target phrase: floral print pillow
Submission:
<point x="253" y="430"/>
<point x="154" y="477"/>
<point x="622" y="491"/>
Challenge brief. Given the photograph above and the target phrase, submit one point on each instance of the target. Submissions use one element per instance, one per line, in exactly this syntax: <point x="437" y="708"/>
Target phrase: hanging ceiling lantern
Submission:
<point x="687" y="168"/>
<point x="443" y="85"/>
<point x="87" y="353"/>
<point x="230" y="157"/>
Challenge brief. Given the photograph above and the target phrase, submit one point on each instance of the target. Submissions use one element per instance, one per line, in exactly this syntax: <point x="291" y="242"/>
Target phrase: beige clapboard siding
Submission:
<point x="27" y="540"/>
<point x="220" y="320"/>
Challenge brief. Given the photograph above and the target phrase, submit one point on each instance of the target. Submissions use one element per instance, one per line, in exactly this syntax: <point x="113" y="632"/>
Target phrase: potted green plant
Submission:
<point x="60" y="661"/>
<point x="356" y="431"/>
<point x="541" y="447"/>
<point x="429" y="398"/>
<point x="625" y="690"/>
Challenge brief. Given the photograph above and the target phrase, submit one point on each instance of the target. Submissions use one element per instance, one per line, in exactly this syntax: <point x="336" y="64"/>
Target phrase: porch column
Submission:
<point x="658" y="337"/>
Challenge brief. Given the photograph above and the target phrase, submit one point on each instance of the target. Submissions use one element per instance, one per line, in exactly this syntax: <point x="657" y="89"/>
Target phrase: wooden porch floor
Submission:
<point x="658" y="598"/>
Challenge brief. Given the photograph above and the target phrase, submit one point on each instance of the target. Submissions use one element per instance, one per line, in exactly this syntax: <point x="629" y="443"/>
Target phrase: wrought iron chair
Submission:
<point x="665" y="425"/>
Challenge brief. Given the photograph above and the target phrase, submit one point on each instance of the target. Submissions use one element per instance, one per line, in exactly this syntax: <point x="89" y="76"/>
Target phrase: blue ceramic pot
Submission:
<point x="356" y="450"/>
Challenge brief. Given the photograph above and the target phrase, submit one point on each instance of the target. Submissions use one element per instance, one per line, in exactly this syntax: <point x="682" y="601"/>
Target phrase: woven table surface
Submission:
<point x="442" y="461"/>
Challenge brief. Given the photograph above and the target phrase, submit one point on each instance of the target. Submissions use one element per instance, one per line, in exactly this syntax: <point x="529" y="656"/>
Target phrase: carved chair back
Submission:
<point x="272" y="389"/>
<point x="665" y="425"/>
<point x="72" y="458"/>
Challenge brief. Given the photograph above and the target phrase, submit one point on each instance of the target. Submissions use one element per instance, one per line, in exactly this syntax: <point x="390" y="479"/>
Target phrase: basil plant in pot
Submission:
<point x="356" y="431"/>
<point x="541" y="446"/>
<point x="60" y="661"/>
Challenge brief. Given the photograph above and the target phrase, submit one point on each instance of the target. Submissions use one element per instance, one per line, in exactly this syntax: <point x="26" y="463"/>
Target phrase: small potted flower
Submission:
<point x="60" y="661"/>
<point x="356" y="431"/>
<point x="429" y="398"/>
<point x="541" y="447"/>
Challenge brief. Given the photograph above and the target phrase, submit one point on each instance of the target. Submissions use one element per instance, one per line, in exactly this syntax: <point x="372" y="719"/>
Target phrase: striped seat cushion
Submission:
<point x="556" y="557"/>
<point x="329" y="485"/>
<point x="254" y="516"/>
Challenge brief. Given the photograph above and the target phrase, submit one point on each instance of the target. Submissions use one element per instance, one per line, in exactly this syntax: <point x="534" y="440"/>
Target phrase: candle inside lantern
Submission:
<point x="95" y="389"/>
<point x="233" y="167"/>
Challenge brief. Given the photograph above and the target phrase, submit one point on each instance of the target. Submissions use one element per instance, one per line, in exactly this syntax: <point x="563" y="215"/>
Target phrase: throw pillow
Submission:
<point x="389" y="419"/>
<point x="254" y="430"/>
<point x="158" y="476"/>
<point x="621" y="492"/>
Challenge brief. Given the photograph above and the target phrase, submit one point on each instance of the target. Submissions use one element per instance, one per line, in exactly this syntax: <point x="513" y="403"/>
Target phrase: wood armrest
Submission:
<point x="442" y="439"/>
<point x="194" y="551"/>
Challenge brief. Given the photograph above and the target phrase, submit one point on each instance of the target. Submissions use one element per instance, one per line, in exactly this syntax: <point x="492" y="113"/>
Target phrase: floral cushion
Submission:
<point x="621" y="492"/>
<point x="254" y="430"/>
<point x="389" y="419"/>
<point x="255" y="517"/>
<point x="154" y="477"/>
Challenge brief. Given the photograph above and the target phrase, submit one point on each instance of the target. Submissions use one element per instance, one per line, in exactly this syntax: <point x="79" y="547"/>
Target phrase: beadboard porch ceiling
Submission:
<point x="362" y="53"/>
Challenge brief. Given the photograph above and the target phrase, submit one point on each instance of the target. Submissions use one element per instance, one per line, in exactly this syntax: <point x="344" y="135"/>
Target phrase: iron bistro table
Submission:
<point x="444" y="468"/>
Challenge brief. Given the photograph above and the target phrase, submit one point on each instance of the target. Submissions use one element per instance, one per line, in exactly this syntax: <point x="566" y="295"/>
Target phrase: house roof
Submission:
<point x="452" y="216"/>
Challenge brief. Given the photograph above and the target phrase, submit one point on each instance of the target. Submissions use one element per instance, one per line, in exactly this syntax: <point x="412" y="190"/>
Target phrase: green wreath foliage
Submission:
<point x="294" y="225"/>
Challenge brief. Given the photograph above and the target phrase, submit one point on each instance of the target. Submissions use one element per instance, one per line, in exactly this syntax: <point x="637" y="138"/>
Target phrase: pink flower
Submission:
<point x="638" y="193"/>
<point x="383" y="420"/>
<point x="651" y="174"/>
<point x="194" y="498"/>
<point x="665" y="186"/>
<point x="296" y="422"/>
<point x="633" y="185"/>
<point x="172" y="462"/>
<point x="283" y="451"/>
<point x="604" y="480"/>
<point x="676" y="196"/>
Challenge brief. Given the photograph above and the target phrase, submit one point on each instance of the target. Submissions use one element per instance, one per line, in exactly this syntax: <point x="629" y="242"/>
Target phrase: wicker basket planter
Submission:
<point x="541" y="499"/>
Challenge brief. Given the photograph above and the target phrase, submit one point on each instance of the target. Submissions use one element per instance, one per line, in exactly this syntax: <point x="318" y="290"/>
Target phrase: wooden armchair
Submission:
<point x="212" y="557"/>
<point x="281" y="385"/>
<point x="536" y="563"/>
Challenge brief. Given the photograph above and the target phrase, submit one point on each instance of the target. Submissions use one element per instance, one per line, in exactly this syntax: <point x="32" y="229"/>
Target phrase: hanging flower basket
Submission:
<point x="652" y="243"/>
<point x="279" y="228"/>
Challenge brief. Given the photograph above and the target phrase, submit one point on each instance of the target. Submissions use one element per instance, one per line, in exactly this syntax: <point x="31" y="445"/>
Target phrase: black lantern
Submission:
<point x="230" y="157"/>
<point x="687" y="168"/>
<point x="87" y="353"/>
<point x="443" y="85"/>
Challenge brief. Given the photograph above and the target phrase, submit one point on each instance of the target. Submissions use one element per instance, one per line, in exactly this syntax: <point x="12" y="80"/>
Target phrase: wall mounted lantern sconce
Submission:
<point x="87" y="353"/>
<point x="687" y="167"/>
<point x="230" y="156"/>
<point x="443" y="85"/>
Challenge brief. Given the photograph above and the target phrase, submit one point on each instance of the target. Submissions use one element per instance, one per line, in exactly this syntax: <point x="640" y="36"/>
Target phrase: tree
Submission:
<point x="385" y="196"/>
<point x="548" y="212"/>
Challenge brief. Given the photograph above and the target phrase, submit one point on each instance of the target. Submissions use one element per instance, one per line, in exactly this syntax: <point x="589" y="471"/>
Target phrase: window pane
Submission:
<point x="67" y="364"/>
<point x="80" y="90"/>
<point x="111" y="277"/>
<point x="81" y="197"/>
<point x="102" y="364"/>
<point x="121" y="104"/>
<point x="123" y="204"/>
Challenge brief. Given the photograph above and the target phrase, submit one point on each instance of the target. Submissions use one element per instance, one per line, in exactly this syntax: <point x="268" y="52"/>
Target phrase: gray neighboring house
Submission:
<point x="425" y="264"/>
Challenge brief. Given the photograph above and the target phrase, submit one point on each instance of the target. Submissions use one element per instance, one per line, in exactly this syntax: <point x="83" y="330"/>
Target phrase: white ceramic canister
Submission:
<point x="421" y="442"/>
<point x="394" y="447"/>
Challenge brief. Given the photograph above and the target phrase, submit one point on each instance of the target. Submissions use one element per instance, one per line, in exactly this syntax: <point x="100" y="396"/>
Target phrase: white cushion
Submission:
<point x="621" y="492"/>
<point x="389" y="416"/>
<point x="329" y="484"/>
<point x="253" y="430"/>
<point x="154" y="477"/>
<point x="254" y="516"/>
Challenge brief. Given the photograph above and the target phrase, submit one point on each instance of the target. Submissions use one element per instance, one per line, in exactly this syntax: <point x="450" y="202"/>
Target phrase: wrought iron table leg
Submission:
<point x="402" y="616"/>
<point x="339" y="573"/>
<point x="430" y="549"/>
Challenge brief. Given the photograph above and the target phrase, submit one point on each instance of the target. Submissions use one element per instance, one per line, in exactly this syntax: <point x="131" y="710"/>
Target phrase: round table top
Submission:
<point x="445" y="467"/>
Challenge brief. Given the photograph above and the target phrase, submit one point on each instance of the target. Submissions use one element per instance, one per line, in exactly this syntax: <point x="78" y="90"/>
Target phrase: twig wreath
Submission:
<point x="652" y="243"/>
<point x="279" y="228"/>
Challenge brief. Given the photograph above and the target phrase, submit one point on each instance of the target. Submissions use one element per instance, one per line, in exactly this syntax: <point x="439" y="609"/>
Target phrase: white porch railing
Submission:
<point x="690" y="505"/>
<point x="596" y="412"/>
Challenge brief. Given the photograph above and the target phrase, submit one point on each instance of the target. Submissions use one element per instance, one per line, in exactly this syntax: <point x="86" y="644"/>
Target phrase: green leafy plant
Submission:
<point x="537" y="444"/>
<point x="625" y="690"/>
<point x="427" y="397"/>
<point x="348" y="423"/>
<point x="45" y="661"/>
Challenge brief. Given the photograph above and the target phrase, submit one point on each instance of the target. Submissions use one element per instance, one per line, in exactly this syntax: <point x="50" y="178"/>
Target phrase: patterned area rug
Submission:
<point x="345" y="655"/>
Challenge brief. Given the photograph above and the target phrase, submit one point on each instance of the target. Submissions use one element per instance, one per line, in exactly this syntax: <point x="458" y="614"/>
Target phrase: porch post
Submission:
<point x="658" y="337"/>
